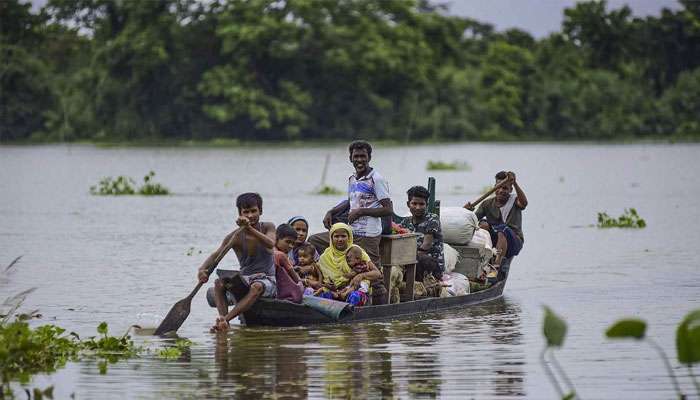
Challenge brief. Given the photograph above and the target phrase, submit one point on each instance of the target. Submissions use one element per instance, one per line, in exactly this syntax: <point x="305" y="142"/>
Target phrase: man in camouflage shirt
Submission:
<point x="427" y="225"/>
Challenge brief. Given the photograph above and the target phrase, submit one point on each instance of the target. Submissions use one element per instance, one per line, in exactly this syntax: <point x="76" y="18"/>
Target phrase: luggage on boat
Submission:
<point x="458" y="283"/>
<point x="451" y="257"/>
<point x="458" y="225"/>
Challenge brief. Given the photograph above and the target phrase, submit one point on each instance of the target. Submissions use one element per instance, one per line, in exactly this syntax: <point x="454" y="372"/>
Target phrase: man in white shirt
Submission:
<point x="368" y="201"/>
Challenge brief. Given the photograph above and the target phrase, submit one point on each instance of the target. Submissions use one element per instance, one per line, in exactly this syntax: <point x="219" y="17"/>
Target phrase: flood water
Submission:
<point x="126" y="260"/>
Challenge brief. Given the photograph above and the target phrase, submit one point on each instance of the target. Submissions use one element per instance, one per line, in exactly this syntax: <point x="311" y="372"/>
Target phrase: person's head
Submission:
<point x="341" y="236"/>
<point x="360" y="155"/>
<point x="286" y="236"/>
<point x="302" y="227"/>
<point x="503" y="192"/>
<point x="417" y="200"/>
<point x="483" y="223"/>
<point x="250" y="206"/>
<point x="306" y="253"/>
<point x="354" y="256"/>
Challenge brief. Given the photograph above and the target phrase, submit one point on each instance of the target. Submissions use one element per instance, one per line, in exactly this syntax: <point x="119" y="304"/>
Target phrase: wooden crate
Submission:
<point x="470" y="257"/>
<point x="398" y="249"/>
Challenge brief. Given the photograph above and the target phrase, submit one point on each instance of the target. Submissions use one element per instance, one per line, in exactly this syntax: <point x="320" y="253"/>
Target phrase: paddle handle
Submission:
<point x="195" y="290"/>
<point x="489" y="193"/>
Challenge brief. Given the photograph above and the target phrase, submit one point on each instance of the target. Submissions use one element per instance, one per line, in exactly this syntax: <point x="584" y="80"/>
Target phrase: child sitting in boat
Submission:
<point x="358" y="266"/>
<point x="308" y="270"/>
<point x="288" y="282"/>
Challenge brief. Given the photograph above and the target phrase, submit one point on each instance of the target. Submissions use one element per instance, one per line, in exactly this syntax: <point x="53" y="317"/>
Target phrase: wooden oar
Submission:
<point x="178" y="314"/>
<point x="487" y="194"/>
<point x="181" y="310"/>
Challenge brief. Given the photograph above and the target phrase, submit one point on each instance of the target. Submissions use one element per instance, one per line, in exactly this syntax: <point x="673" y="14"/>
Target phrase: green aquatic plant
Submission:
<point x="174" y="352"/>
<point x="119" y="186"/>
<point x="125" y="186"/>
<point x="111" y="348"/>
<point x="554" y="330"/>
<point x="150" y="188"/>
<point x="629" y="219"/>
<point x="445" y="166"/>
<point x="687" y="346"/>
<point x="636" y="329"/>
<point x="327" y="190"/>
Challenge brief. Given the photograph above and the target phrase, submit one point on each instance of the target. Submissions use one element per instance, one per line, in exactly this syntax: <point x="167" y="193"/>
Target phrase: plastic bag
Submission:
<point x="458" y="283"/>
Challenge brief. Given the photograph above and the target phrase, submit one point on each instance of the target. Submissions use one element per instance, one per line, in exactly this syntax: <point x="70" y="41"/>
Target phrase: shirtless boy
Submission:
<point x="253" y="242"/>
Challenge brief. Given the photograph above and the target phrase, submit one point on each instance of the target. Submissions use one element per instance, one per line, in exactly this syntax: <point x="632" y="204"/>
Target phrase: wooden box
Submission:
<point x="398" y="249"/>
<point x="470" y="258"/>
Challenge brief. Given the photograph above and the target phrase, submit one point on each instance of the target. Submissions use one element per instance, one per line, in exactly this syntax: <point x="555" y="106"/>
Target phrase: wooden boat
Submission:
<point x="269" y="312"/>
<point x="396" y="250"/>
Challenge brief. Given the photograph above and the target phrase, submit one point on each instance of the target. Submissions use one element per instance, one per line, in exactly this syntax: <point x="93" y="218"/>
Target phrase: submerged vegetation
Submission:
<point x="124" y="185"/>
<point x="628" y="219"/>
<point x="26" y="351"/>
<point x="445" y="166"/>
<point x="327" y="190"/>
<point x="687" y="347"/>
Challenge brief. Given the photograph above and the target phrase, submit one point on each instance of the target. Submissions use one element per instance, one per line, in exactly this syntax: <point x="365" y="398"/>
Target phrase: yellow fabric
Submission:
<point x="333" y="264"/>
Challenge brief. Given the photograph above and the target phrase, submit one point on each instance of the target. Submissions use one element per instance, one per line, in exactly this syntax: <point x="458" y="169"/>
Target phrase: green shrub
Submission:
<point x="123" y="185"/>
<point x="629" y="219"/>
<point x="444" y="166"/>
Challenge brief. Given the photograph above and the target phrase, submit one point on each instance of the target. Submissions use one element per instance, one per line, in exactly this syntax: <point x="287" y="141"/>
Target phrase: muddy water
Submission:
<point x="126" y="260"/>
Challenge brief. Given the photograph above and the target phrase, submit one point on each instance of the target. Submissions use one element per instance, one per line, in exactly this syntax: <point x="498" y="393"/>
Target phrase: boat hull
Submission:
<point x="270" y="312"/>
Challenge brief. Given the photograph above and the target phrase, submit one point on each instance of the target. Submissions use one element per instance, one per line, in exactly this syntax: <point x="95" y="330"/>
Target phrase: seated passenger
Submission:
<point x="288" y="282"/>
<point x="300" y="225"/>
<point x="430" y="258"/>
<point x="503" y="213"/>
<point x="358" y="266"/>
<point x="308" y="270"/>
<point x="336" y="271"/>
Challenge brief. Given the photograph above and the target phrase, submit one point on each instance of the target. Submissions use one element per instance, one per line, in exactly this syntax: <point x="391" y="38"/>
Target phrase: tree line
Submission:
<point x="402" y="70"/>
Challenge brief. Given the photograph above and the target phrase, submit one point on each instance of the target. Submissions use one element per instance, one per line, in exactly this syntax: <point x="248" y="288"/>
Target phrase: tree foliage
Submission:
<point x="108" y="70"/>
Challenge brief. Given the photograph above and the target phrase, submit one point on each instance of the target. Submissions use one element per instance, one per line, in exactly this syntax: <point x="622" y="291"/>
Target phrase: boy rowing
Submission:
<point x="253" y="242"/>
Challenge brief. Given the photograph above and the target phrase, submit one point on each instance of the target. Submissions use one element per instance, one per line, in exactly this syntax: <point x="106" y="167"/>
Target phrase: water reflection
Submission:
<point x="471" y="351"/>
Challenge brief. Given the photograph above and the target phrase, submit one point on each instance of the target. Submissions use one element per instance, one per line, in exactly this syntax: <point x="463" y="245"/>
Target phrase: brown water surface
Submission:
<point x="126" y="260"/>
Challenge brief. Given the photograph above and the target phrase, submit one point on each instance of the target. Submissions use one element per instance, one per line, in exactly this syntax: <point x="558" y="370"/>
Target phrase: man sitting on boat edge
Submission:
<point x="504" y="215"/>
<point x="253" y="242"/>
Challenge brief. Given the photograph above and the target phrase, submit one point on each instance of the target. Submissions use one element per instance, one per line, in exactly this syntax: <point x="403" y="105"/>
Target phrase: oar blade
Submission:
<point x="175" y="318"/>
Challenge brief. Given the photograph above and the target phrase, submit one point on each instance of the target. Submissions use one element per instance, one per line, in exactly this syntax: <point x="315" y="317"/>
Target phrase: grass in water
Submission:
<point x="445" y="166"/>
<point x="125" y="186"/>
<point x="327" y="190"/>
<point x="629" y="219"/>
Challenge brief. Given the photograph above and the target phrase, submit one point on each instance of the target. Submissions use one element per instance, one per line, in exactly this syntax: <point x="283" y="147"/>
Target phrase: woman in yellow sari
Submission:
<point x="340" y="280"/>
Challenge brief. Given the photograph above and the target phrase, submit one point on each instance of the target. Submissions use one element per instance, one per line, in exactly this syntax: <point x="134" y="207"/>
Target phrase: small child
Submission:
<point x="309" y="272"/>
<point x="358" y="266"/>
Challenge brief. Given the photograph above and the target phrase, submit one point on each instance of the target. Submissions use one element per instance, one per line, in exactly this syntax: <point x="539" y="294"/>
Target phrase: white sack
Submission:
<point x="458" y="224"/>
<point x="458" y="283"/>
<point x="451" y="257"/>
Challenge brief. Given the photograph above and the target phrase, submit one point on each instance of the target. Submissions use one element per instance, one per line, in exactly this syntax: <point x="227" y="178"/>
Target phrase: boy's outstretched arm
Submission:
<point x="214" y="258"/>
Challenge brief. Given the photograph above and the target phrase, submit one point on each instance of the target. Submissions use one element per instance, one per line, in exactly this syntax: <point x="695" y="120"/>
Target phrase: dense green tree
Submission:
<point x="400" y="70"/>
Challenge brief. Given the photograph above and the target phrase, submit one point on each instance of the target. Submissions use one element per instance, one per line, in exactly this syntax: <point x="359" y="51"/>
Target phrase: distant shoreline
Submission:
<point x="232" y="143"/>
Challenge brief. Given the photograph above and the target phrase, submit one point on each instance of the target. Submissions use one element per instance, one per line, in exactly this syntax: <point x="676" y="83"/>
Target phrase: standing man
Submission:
<point x="368" y="201"/>
<point x="253" y="242"/>
<point x="503" y="212"/>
